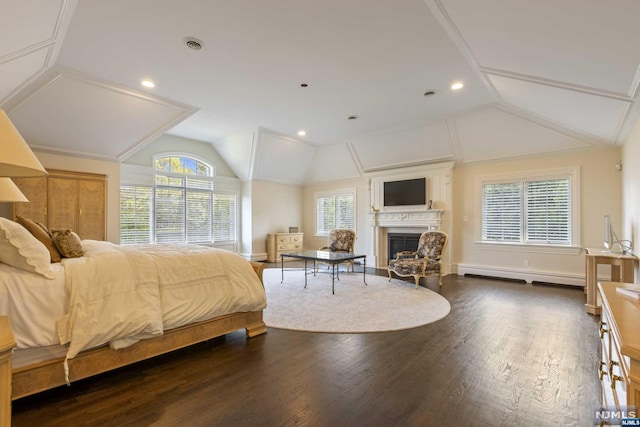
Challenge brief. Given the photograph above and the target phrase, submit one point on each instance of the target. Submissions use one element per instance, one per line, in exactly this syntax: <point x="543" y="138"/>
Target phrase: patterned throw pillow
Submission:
<point x="67" y="242"/>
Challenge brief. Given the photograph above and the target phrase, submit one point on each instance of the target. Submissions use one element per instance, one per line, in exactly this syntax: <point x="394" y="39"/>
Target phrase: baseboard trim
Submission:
<point x="255" y="257"/>
<point x="528" y="276"/>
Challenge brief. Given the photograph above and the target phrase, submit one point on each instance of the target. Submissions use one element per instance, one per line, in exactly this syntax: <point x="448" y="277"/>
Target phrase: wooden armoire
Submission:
<point x="65" y="199"/>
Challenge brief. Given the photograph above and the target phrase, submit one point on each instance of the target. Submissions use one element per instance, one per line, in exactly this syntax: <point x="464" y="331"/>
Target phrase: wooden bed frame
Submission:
<point x="41" y="376"/>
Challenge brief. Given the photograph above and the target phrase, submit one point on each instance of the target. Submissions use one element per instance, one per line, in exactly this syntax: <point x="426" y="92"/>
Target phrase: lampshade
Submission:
<point x="16" y="158"/>
<point x="9" y="192"/>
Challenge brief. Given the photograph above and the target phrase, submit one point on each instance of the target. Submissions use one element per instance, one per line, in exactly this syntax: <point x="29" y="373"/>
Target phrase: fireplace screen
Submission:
<point x="397" y="242"/>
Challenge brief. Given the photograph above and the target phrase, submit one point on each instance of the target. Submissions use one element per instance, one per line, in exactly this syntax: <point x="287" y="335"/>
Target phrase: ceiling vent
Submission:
<point x="193" y="43"/>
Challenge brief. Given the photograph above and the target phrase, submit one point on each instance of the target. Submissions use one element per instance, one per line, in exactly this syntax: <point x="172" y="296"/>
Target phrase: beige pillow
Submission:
<point x="20" y="249"/>
<point x="42" y="235"/>
<point x="67" y="242"/>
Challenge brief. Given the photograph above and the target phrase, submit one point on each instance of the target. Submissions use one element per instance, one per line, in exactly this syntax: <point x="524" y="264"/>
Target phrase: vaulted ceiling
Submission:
<point x="539" y="76"/>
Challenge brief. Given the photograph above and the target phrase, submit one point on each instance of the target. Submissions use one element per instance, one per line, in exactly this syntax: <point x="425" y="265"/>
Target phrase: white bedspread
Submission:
<point x="32" y="303"/>
<point x="120" y="294"/>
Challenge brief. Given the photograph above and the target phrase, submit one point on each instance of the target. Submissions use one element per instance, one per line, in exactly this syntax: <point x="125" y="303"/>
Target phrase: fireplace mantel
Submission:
<point x="430" y="219"/>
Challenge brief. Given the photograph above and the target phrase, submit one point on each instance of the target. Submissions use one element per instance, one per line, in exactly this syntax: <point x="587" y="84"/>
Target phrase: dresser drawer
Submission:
<point x="289" y="247"/>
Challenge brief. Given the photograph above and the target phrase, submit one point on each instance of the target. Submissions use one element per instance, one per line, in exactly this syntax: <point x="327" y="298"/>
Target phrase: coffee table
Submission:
<point x="331" y="258"/>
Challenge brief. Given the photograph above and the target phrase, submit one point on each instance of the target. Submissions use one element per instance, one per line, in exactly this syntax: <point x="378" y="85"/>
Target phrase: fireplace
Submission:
<point x="397" y="242"/>
<point x="398" y="222"/>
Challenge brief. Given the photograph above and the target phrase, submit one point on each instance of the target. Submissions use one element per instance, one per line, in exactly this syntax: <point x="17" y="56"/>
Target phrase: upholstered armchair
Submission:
<point x="341" y="240"/>
<point x="423" y="262"/>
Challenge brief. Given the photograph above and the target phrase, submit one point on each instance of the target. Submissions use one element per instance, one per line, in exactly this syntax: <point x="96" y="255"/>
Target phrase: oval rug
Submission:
<point x="355" y="308"/>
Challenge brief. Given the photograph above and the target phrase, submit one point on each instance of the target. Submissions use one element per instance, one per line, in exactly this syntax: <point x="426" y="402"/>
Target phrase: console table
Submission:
<point x="622" y="270"/>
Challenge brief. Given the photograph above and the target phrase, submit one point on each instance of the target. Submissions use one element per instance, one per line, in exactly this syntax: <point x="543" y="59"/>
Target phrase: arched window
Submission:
<point x="184" y="200"/>
<point x="183" y="205"/>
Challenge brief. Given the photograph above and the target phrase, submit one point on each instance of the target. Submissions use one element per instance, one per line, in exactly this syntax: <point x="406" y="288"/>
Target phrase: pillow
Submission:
<point x="20" y="249"/>
<point x="42" y="235"/>
<point x="67" y="242"/>
<point x="44" y="227"/>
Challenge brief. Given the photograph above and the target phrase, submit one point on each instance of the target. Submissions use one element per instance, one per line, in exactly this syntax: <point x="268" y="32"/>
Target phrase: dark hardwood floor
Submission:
<point x="508" y="354"/>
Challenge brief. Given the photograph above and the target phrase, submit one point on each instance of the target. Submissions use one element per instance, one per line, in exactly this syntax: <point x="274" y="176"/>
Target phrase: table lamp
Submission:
<point x="9" y="192"/>
<point x="16" y="159"/>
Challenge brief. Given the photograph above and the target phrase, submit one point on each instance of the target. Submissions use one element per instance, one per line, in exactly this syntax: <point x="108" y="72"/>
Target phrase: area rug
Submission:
<point x="355" y="308"/>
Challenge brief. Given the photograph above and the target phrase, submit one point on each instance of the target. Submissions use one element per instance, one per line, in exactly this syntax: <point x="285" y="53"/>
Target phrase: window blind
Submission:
<point x="501" y="212"/>
<point x="536" y="211"/>
<point x="548" y="211"/>
<point x="136" y="215"/>
<point x="225" y="213"/>
<point x="335" y="211"/>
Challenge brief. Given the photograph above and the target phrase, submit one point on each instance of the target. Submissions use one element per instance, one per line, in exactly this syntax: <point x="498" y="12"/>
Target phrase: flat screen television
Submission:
<point x="407" y="192"/>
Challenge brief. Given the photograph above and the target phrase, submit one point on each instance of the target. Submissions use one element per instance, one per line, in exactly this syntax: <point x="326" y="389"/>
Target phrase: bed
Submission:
<point x="111" y="305"/>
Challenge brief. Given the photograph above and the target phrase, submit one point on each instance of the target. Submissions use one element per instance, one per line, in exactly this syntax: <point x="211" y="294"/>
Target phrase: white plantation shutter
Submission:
<point x="501" y="212"/>
<point x="170" y="215"/>
<point x="325" y="215"/>
<point x="136" y="214"/>
<point x="549" y="212"/>
<point x="345" y="211"/>
<point x="528" y="210"/>
<point x="199" y="215"/>
<point x="225" y="213"/>
<point x="336" y="210"/>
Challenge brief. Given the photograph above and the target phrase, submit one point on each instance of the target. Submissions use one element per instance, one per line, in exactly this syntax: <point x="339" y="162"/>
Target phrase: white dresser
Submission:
<point x="278" y="243"/>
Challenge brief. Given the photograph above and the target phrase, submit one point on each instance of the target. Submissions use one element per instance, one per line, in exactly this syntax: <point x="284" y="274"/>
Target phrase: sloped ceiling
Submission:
<point x="538" y="77"/>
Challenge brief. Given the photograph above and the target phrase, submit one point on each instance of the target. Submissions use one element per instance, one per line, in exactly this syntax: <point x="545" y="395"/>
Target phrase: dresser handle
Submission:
<point x="613" y="381"/>
<point x="602" y="372"/>
<point x="612" y="363"/>
<point x="602" y="329"/>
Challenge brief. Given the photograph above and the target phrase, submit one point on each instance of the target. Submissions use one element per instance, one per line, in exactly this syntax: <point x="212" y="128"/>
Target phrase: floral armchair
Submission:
<point x="423" y="262"/>
<point x="341" y="240"/>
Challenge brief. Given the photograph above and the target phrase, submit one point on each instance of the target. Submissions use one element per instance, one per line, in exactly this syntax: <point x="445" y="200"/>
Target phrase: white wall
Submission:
<point x="170" y="143"/>
<point x="274" y="208"/>
<point x="631" y="189"/>
<point x="600" y="195"/>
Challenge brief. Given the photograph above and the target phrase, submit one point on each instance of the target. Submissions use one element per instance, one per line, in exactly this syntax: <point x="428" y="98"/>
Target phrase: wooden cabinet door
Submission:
<point x="34" y="189"/>
<point x="63" y="203"/>
<point x="91" y="201"/>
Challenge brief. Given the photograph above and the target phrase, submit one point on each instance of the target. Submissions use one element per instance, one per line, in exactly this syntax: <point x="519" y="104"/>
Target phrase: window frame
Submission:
<point x="351" y="191"/>
<point x="572" y="173"/>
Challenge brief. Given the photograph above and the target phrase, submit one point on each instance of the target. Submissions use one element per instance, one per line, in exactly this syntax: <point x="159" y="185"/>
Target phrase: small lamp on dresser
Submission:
<point x="17" y="159"/>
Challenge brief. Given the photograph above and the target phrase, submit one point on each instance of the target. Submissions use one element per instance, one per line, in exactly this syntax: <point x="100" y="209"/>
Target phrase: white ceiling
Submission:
<point x="539" y="77"/>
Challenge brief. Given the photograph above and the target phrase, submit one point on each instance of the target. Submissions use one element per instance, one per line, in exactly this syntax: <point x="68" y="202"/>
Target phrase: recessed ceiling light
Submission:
<point x="457" y="86"/>
<point x="148" y="83"/>
<point x="354" y="117"/>
<point x="303" y="85"/>
<point x="193" y="43"/>
<point x="301" y="132"/>
<point x="430" y="93"/>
